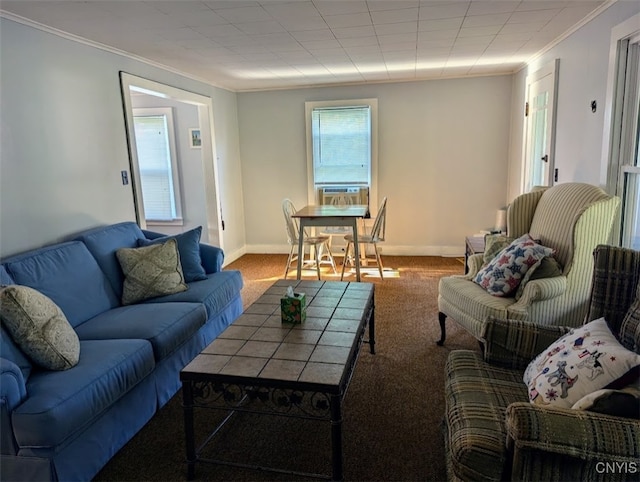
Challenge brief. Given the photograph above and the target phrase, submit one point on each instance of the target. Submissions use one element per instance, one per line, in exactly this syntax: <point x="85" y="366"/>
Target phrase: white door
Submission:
<point x="539" y="128"/>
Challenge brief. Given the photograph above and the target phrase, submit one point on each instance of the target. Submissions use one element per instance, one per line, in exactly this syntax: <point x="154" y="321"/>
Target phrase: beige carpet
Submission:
<point x="392" y="411"/>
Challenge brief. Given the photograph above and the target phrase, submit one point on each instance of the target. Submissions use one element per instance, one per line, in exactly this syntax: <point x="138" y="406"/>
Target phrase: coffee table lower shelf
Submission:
<point x="274" y="402"/>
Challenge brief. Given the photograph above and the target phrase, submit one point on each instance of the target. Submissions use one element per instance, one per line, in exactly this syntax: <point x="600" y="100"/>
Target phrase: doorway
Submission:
<point x="539" y="145"/>
<point x="195" y="190"/>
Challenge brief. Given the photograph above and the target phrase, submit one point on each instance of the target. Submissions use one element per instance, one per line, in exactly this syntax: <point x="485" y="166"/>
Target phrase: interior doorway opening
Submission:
<point x="196" y="170"/>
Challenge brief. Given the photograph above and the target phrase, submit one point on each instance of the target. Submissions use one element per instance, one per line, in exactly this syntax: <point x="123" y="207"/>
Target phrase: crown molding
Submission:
<point x="91" y="43"/>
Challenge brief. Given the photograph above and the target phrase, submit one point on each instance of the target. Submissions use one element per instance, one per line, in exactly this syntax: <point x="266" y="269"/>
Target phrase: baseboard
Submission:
<point x="230" y="257"/>
<point x="445" y="251"/>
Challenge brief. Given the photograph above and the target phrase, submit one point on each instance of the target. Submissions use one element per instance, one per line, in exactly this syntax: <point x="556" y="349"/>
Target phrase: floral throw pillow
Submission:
<point x="584" y="360"/>
<point x="504" y="273"/>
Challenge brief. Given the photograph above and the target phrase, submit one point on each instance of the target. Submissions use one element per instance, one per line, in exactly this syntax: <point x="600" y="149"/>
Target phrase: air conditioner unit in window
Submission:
<point x="340" y="195"/>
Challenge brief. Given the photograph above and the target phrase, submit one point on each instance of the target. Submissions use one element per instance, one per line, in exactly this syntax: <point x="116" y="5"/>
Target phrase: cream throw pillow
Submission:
<point x="151" y="271"/>
<point x="39" y="327"/>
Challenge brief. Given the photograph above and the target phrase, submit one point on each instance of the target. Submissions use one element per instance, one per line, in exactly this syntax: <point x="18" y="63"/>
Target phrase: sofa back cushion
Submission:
<point x="557" y="212"/>
<point x="69" y="275"/>
<point x="104" y="241"/>
<point x="5" y="278"/>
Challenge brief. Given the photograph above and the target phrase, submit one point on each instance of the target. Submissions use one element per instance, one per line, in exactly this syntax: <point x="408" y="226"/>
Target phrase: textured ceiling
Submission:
<point x="270" y="44"/>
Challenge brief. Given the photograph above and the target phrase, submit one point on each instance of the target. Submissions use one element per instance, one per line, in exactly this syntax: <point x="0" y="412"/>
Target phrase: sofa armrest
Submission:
<point x="12" y="392"/>
<point x="514" y="343"/>
<point x="212" y="258"/>
<point x="13" y="389"/>
<point x="593" y="438"/>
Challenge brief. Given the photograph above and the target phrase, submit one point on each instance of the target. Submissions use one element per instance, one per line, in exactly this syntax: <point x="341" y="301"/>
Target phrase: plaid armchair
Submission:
<point x="493" y="432"/>
<point x="571" y="218"/>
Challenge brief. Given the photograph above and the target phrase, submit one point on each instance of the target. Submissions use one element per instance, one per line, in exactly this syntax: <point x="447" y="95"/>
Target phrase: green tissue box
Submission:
<point x="294" y="310"/>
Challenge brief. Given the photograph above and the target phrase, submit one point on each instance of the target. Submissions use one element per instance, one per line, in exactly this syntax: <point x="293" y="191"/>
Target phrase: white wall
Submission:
<point x="584" y="60"/>
<point x="63" y="141"/>
<point x="443" y="149"/>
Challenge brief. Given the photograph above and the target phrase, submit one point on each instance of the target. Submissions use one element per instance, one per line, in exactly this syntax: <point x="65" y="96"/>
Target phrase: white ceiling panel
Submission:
<point x="267" y="44"/>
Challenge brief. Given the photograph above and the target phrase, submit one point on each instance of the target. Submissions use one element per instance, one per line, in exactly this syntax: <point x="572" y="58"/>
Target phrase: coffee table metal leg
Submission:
<point x="187" y="398"/>
<point x="372" y="332"/>
<point x="336" y="437"/>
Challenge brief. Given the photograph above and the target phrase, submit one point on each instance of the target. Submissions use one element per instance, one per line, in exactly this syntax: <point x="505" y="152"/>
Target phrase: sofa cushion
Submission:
<point x="167" y="327"/>
<point x="216" y="292"/>
<point x="503" y="274"/>
<point x="150" y="271"/>
<point x="69" y="275"/>
<point x="104" y="241"/>
<point x="476" y="397"/>
<point x="39" y="327"/>
<point x="584" y="360"/>
<point x="63" y="403"/>
<point x="189" y="249"/>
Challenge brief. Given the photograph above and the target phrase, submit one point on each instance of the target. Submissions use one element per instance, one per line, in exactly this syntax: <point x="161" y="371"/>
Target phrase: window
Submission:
<point x="342" y="145"/>
<point x="155" y="147"/>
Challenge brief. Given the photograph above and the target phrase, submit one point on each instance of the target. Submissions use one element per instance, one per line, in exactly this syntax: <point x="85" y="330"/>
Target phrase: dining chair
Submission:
<point x="331" y="231"/>
<point x="377" y="235"/>
<point x="319" y="244"/>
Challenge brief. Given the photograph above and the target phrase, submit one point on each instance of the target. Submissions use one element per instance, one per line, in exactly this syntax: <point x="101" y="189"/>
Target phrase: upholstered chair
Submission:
<point x="493" y="432"/>
<point x="570" y="218"/>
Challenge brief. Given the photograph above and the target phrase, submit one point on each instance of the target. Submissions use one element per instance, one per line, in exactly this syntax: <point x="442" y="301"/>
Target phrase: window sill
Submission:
<point x="173" y="222"/>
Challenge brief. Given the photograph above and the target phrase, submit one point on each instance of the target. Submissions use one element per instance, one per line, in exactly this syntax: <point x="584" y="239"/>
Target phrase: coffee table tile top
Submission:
<point x="328" y="373"/>
<point x="259" y="345"/>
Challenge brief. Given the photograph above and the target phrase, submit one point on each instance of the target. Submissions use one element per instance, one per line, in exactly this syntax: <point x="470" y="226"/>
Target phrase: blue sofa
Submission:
<point x="66" y="425"/>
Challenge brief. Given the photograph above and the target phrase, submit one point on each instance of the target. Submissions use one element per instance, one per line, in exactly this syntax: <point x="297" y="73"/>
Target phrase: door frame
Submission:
<point x="212" y="233"/>
<point x="552" y="68"/>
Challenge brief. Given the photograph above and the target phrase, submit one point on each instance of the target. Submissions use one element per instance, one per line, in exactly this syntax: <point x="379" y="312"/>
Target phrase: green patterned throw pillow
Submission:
<point x="151" y="271"/>
<point x="39" y="327"/>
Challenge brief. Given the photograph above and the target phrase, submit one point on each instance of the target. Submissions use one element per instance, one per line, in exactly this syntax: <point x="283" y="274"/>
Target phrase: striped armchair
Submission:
<point x="571" y="218"/>
<point x="493" y="433"/>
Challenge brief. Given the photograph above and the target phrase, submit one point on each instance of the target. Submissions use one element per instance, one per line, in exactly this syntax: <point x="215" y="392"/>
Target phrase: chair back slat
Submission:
<point x="288" y="209"/>
<point x="379" y="226"/>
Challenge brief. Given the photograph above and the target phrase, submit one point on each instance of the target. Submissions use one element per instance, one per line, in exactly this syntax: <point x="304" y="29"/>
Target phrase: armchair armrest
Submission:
<point x="539" y="290"/>
<point x="514" y="343"/>
<point x="474" y="263"/>
<point x="212" y="258"/>
<point x="533" y="431"/>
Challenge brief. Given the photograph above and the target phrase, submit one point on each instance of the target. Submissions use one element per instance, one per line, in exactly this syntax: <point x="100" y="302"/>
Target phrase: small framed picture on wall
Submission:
<point x="195" y="140"/>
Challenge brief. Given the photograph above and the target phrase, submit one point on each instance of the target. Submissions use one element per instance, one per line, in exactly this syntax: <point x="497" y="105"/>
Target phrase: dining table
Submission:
<point x="315" y="215"/>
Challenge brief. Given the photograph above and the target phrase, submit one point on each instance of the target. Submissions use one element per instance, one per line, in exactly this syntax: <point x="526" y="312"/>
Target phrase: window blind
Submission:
<point x="341" y="145"/>
<point x="154" y="161"/>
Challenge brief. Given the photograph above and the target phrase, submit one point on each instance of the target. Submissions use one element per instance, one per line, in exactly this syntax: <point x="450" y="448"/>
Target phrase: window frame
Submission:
<point x="167" y="112"/>
<point x="616" y="168"/>
<point x="372" y="103"/>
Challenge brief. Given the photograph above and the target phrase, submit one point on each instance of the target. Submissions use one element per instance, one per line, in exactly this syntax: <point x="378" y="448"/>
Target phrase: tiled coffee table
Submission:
<point x="261" y="365"/>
